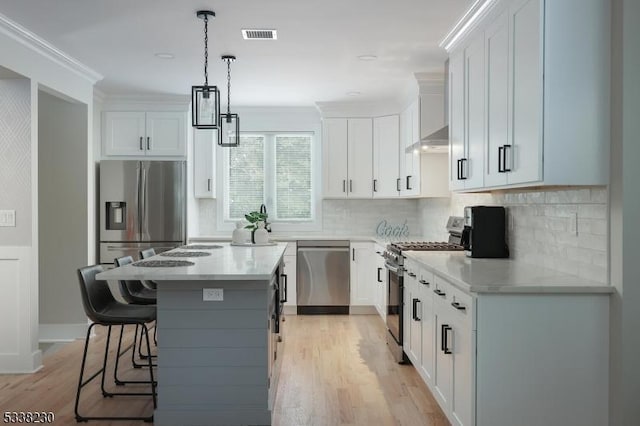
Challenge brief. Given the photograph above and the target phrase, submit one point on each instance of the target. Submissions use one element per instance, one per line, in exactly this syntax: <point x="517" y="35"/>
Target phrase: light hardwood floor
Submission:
<point x="336" y="370"/>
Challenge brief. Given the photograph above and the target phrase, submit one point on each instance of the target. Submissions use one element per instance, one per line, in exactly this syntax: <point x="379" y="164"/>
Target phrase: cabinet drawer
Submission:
<point x="459" y="303"/>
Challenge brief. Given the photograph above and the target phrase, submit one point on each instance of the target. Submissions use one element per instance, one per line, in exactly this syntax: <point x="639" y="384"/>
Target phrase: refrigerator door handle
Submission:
<point x="144" y="230"/>
<point x="139" y="201"/>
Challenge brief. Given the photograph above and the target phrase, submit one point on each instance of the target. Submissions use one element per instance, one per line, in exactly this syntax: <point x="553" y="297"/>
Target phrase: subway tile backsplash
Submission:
<point x="562" y="229"/>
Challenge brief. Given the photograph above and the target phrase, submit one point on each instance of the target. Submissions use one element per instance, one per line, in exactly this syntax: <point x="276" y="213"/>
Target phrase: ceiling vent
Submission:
<point x="260" y="34"/>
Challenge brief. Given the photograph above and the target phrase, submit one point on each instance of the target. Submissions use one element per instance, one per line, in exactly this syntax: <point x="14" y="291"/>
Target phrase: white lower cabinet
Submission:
<point x="380" y="292"/>
<point x="496" y="359"/>
<point x="363" y="284"/>
<point x="290" y="269"/>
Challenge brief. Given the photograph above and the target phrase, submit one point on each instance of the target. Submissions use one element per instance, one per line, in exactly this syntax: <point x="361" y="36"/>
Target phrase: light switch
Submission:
<point x="212" y="295"/>
<point x="8" y="218"/>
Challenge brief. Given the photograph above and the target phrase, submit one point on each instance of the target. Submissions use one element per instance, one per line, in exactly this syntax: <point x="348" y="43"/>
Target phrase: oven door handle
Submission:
<point x="394" y="269"/>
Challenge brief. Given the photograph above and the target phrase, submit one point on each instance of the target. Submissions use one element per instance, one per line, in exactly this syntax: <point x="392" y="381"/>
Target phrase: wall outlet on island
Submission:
<point x="212" y="295"/>
<point x="8" y="218"/>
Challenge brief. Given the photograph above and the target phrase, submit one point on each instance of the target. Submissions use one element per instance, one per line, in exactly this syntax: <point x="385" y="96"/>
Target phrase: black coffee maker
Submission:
<point x="485" y="234"/>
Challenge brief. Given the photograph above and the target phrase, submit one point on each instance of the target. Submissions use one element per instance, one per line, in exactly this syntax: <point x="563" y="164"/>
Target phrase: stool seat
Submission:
<point x="122" y="313"/>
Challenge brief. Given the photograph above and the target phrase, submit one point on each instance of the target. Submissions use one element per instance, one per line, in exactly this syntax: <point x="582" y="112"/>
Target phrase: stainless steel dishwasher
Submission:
<point x="322" y="282"/>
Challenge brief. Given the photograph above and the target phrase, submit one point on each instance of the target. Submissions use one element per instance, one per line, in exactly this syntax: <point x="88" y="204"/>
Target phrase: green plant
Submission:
<point x="253" y="218"/>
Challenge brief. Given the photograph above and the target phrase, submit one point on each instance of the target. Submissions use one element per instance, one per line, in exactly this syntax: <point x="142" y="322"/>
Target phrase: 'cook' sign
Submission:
<point x="388" y="230"/>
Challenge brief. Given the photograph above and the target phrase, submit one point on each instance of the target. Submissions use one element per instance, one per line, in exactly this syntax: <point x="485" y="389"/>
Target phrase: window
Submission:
<point x="275" y="169"/>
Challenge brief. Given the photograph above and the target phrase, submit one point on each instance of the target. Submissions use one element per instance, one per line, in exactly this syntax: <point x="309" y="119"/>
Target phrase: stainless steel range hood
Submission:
<point x="437" y="141"/>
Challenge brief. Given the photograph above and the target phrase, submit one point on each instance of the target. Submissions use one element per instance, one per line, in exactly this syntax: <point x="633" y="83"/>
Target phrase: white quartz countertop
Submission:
<point x="502" y="275"/>
<point x="225" y="263"/>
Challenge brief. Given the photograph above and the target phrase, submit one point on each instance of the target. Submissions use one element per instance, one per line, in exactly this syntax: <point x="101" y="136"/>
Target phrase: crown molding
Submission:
<point x="46" y="49"/>
<point x="467" y="23"/>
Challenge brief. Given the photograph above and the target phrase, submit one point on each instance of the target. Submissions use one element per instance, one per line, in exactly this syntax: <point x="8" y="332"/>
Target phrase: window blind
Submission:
<point x="293" y="177"/>
<point x="246" y="176"/>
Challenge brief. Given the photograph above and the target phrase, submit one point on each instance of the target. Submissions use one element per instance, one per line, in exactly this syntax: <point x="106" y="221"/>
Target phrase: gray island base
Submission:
<point x="217" y="359"/>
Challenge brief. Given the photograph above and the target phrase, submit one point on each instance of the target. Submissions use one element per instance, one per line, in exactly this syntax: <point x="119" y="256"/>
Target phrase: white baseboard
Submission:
<point x="62" y="332"/>
<point x="362" y="310"/>
<point x="18" y="364"/>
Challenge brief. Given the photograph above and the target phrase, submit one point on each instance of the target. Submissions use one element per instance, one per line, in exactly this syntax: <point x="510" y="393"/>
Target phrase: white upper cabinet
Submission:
<point x="360" y="156"/>
<point x="532" y="95"/>
<point x="348" y="157"/>
<point x="386" y="156"/>
<point x="161" y="134"/>
<point x="472" y="164"/>
<point x="497" y="60"/>
<point x="410" y="164"/>
<point x="334" y="157"/>
<point x="523" y="155"/>
<point x="204" y="143"/>
<point x="124" y="133"/>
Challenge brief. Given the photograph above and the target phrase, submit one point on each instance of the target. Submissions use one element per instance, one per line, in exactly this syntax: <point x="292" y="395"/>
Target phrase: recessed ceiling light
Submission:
<point x="353" y="93"/>
<point x="367" y="57"/>
<point x="164" y="55"/>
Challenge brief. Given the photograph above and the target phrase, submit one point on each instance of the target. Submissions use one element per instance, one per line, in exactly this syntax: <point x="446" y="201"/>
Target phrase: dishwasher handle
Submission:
<point x="317" y="249"/>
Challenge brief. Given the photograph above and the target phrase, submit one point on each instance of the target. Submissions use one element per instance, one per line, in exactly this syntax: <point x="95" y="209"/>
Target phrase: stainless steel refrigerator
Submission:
<point x="142" y="205"/>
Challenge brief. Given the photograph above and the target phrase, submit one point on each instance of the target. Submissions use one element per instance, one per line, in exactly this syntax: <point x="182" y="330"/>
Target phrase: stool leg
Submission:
<point x="153" y="383"/>
<point x="119" y="353"/>
<point x="80" y="418"/>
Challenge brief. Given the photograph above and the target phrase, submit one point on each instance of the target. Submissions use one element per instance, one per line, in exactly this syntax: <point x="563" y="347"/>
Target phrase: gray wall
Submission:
<point x="62" y="208"/>
<point x="625" y="211"/>
<point x="15" y="159"/>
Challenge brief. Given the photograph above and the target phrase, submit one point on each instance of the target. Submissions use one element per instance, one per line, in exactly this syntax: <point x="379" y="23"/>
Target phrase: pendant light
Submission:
<point x="205" y="100"/>
<point x="229" y="130"/>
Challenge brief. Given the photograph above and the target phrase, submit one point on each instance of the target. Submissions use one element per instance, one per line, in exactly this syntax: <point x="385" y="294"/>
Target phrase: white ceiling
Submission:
<point x="313" y="60"/>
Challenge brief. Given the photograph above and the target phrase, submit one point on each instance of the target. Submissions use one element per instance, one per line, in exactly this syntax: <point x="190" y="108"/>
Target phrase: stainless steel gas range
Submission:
<point x="394" y="264"/>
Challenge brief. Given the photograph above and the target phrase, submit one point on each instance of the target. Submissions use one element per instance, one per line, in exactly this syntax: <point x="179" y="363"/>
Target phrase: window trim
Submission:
<point x="315" y="224"/>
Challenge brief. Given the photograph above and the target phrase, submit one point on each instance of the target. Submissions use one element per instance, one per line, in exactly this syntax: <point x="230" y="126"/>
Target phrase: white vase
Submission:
<point x="261" y="236"/>
<point x="240" y="235"/>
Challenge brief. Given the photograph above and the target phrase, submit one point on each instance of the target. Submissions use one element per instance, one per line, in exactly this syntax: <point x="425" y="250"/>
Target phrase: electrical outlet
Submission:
<point x="8" y="218"/>
<point x="212" y="295"/>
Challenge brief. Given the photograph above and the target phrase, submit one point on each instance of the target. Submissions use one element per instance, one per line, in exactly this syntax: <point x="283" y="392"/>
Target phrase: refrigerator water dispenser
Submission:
<point x="116" y="214"/>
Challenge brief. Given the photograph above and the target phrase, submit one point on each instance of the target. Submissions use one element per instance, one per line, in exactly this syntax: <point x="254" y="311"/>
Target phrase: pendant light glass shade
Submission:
<point x="205" y="105"/>
<point x="205" y="99"/>
<point x="229" y="130"/>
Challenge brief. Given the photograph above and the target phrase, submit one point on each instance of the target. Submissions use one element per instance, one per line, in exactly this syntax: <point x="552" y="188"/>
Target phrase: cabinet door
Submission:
<point x="362" y="279"/>
<point x="428" y="326"/>
<point x="360" y="168"/>
<point x="166" y="134"/>
<point x="380" y="283"/>
<point x="204" y="143"/>
<point x="473" y="165"/>
<point x="415" y="298"/>
<point x="123" y="133"/>
<point x="456" y="119"/>
<point x="290" y="270"/>
<point x="443" y="371"/>
<point x="461" y="357"/>
<point x="406" y="162"/>
<point x="334" y="157"/>
<point x="386" y="151"/>
<point x="412" y="181"/>
<point x="525" y="157"/>
<point x="497" y="59"/>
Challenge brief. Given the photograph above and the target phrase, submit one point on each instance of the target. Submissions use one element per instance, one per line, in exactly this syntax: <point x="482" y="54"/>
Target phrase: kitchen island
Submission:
<point x="218" y="332"/>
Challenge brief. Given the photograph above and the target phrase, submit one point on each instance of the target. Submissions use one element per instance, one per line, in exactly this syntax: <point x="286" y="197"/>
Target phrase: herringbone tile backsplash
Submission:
<point x="15" y="159"/>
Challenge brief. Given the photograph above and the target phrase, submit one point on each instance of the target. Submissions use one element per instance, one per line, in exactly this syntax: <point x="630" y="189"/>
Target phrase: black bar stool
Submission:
<point x="103" y="309"/>
<point x="135" y="293"/>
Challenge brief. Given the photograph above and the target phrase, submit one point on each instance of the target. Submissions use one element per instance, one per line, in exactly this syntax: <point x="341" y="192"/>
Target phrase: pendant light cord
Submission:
<point x="206" y="50"/>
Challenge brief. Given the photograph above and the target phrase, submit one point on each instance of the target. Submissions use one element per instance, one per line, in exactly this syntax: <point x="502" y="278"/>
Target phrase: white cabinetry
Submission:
<point x="363" y="281"/>
<point x="348" y="157"/>
<point x="204" y="160"/>
<point x="380" y="292"/>
<point x="386" y="156"/>
<point x="410" y="161"/>
<point x="528" y="91"/>
<point x="467" y="86"/>
<point x="290" y="270"/>
<point x="161" y="134"/>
